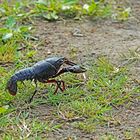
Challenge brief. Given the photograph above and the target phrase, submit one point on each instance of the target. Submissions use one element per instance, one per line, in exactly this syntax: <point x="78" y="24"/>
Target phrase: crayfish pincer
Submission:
<point x="44" y="71"/>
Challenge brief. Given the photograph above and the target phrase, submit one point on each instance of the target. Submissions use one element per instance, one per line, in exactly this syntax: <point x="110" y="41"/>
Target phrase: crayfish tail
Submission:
<point x="12" y="86"/>
<point x="21" y="75"/>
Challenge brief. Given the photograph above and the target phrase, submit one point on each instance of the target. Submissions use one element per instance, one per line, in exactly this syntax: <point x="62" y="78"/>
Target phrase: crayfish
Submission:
<point x="42" y="71"/>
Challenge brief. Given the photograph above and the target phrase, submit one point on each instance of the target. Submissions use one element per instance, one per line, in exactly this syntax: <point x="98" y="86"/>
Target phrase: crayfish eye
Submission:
<point x="61" y="61"/>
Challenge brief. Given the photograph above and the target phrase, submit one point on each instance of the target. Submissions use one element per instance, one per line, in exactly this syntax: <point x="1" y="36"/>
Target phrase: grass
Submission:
<point x="106" y="88"/>
<point x="84" y="106"/>
<point x="21" y="127"/>
<point x="8" y="53"/>
<point x="133" y="55"/>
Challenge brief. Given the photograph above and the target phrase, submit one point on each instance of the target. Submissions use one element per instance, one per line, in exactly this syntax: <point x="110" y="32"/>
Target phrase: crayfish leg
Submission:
<point x="36" y="89"/>
<point x="30" y="99"/>
<point x="63" y="85"/>
<point x="58" y="84"/>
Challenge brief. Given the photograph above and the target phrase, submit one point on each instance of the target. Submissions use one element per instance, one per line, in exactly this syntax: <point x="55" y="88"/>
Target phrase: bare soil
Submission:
<point x="87" y="40"/>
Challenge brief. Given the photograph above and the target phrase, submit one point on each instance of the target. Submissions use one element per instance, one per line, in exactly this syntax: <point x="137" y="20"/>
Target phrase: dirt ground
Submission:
<point x="86" y="40"/>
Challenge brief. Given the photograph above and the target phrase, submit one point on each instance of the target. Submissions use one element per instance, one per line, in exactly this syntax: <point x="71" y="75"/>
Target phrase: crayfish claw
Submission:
<point x="76" y="69"/>
<point x="69" y="62"/>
